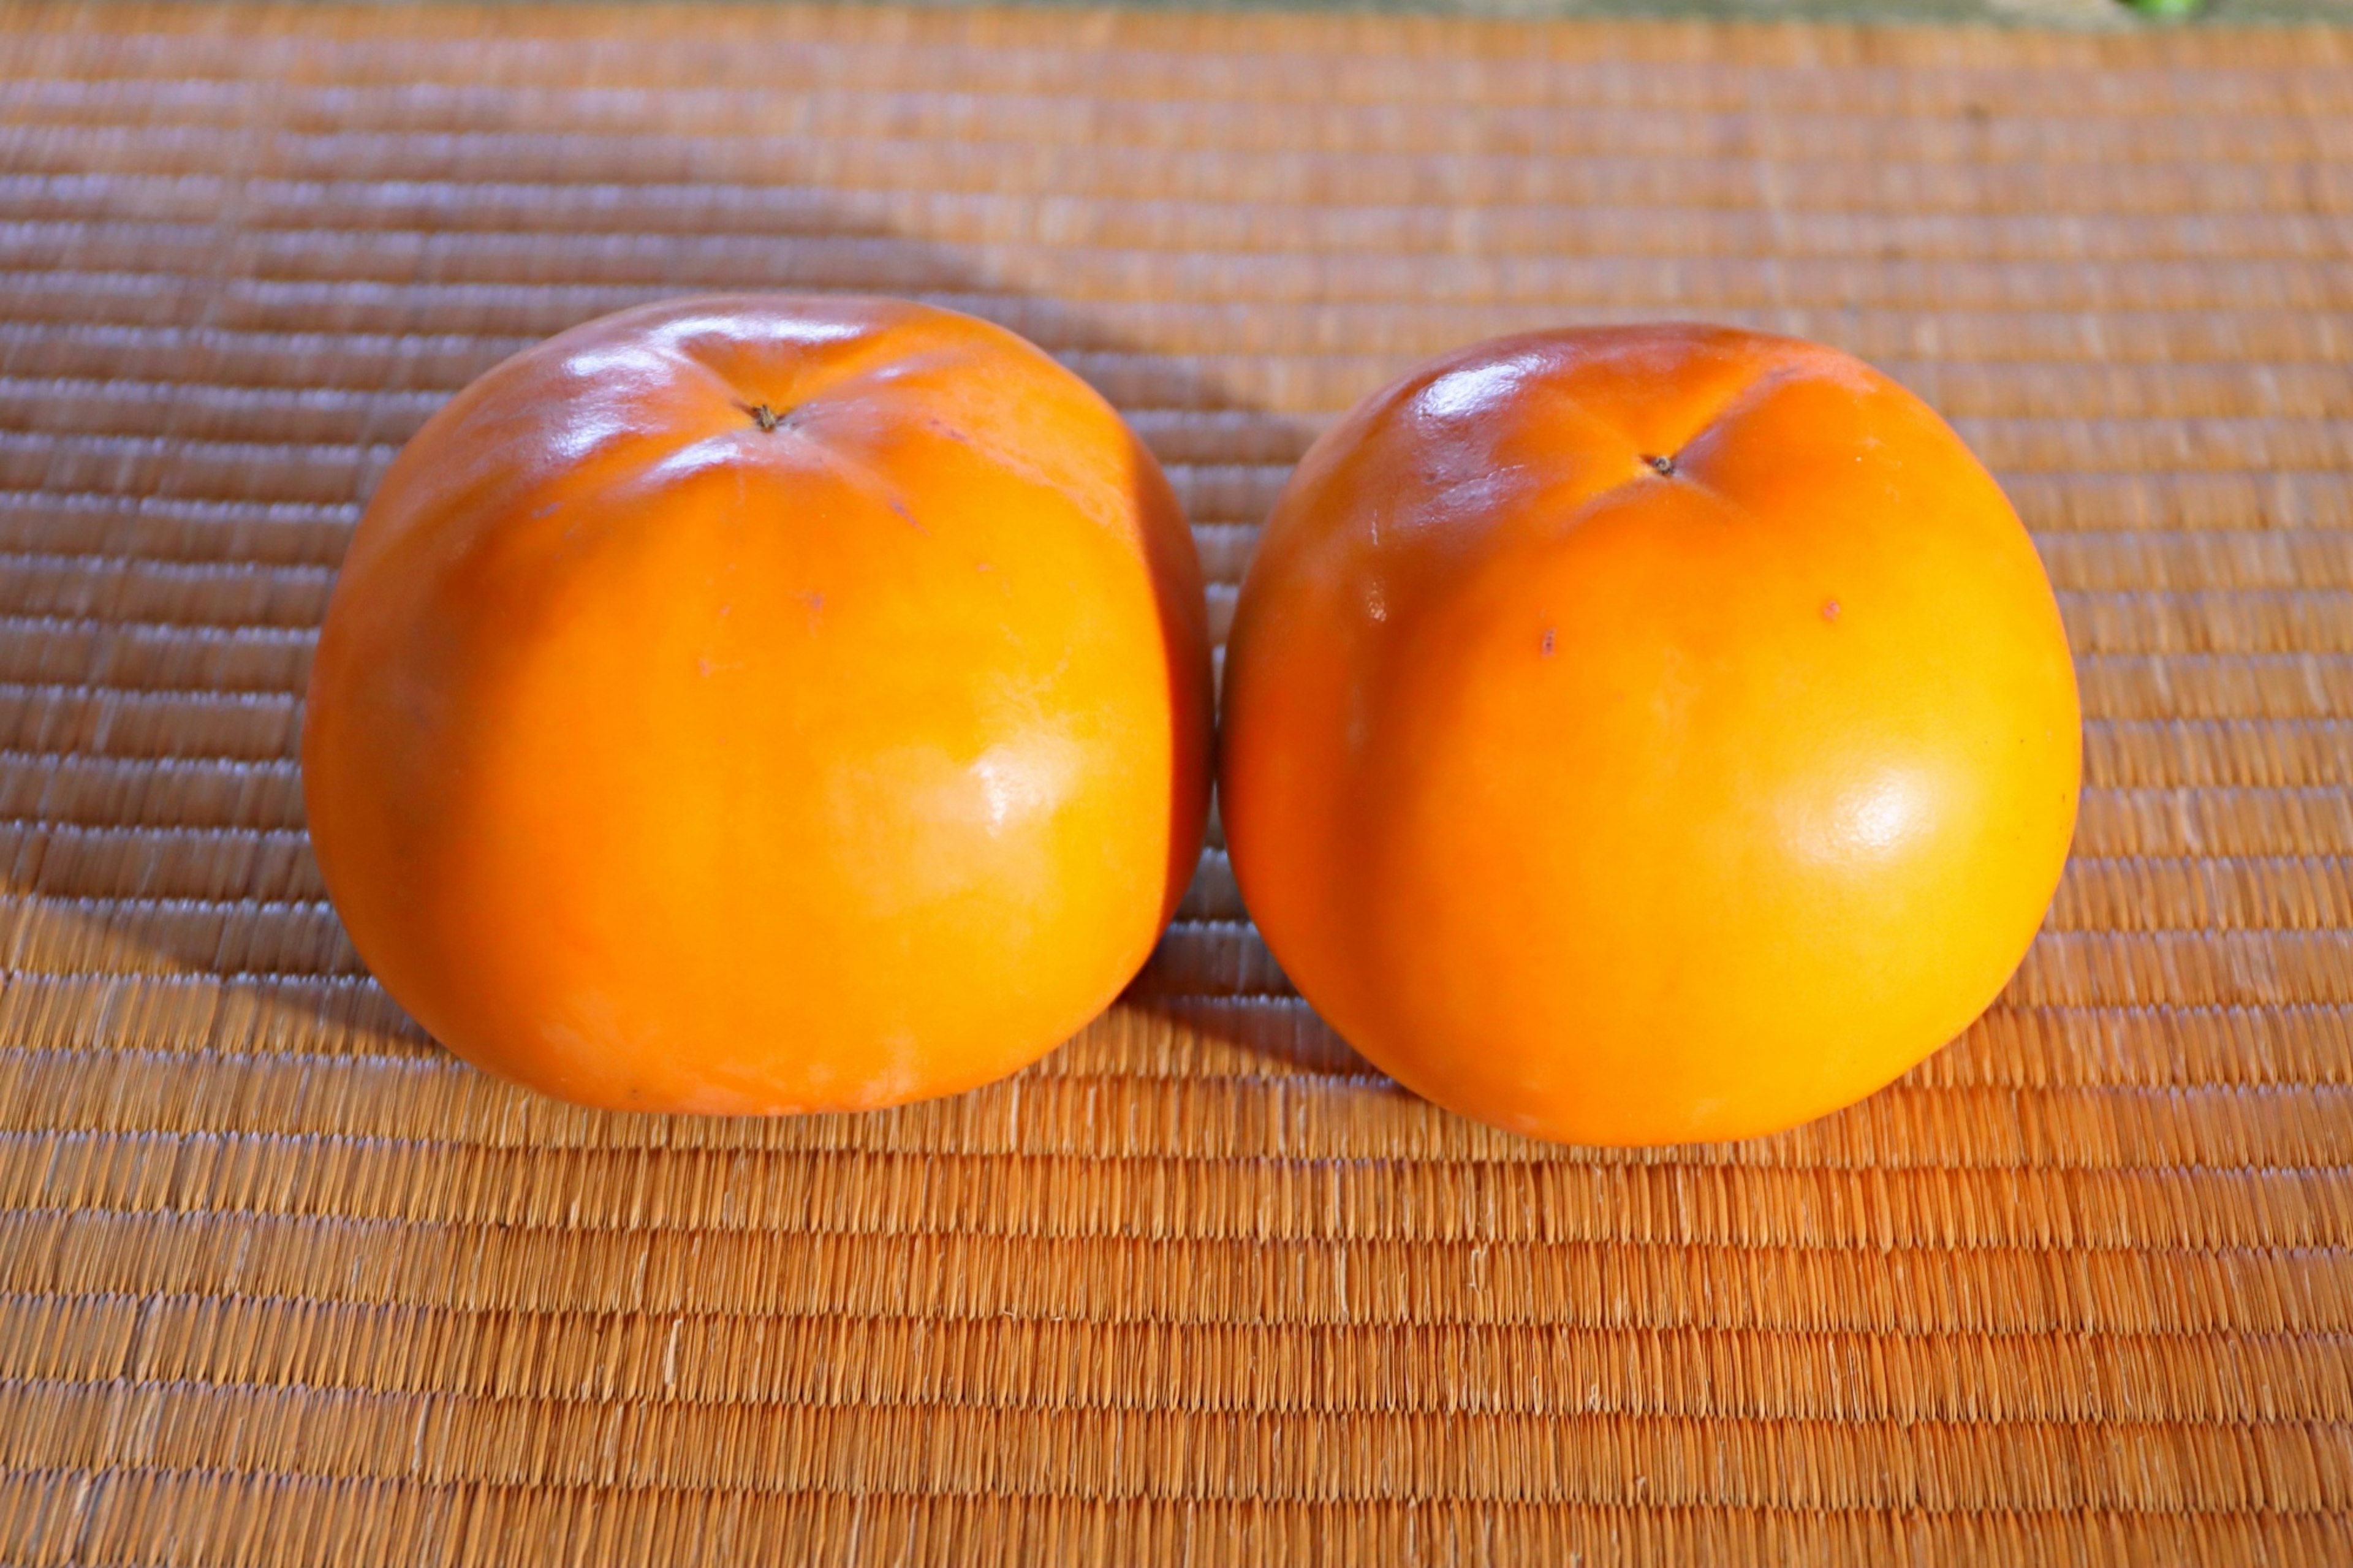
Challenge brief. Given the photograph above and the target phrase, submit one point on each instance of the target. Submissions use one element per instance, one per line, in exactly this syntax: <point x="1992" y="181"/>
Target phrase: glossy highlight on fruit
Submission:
<point x="1647" y="734"/>
<point x="763" y="704"/>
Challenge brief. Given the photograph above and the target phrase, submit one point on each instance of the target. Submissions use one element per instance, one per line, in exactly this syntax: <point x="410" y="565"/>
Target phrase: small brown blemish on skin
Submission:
<point x="1830" y="609"/>
<point x="1547" y="643"/>
<point x="1665" y="466"/>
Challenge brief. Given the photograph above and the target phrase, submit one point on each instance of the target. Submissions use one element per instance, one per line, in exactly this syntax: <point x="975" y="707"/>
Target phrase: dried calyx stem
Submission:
<point x="764" y="417"/>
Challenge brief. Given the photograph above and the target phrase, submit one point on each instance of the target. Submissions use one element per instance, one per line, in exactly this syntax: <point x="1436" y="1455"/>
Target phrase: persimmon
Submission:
<point x="1647" y="734"/>
<point x="761" y="705"/>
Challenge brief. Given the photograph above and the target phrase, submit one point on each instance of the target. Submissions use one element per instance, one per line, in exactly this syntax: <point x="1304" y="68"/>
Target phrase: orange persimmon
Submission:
<point x="763" y="704"/>
<point x="1647" y="734"/>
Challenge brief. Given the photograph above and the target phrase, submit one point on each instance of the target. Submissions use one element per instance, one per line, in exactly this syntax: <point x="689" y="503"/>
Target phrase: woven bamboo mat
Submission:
<point x="281" y="1283"/>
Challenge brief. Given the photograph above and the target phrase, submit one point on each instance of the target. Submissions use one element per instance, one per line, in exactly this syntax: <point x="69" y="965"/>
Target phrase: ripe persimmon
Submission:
<point x="763" y="704"/>
<point x="1647" y="734"/>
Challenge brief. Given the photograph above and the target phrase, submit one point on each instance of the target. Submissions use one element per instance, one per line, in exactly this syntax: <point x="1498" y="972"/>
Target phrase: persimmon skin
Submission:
<point x="1644" y="735"/>
<point x="763" y="704"/>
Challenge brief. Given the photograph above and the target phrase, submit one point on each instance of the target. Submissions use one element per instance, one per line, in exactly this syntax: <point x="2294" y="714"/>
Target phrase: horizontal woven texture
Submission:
<point x="281" y="1283"/>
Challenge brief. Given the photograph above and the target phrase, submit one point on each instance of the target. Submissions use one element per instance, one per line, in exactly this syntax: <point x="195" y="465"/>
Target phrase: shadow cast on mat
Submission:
<point x="281" y="1283"/>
